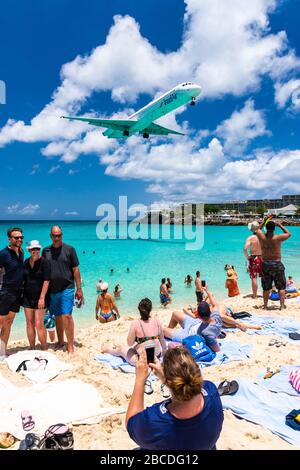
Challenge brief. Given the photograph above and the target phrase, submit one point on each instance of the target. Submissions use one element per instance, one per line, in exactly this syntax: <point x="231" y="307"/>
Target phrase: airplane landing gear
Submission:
<point x="193" y="102"/>
<point x="126" y="133"/>
<point x="146" y="135"/>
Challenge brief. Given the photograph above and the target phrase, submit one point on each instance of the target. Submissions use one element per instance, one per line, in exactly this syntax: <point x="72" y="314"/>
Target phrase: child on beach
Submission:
<point x="49" y="324"/>
<point x="117" y="291"/>
<point x="231" y="283"/>
<point x="290" y="282"/>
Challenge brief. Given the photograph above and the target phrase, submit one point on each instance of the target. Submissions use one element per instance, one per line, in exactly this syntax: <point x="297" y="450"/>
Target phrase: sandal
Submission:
<point x="228" y="388"/>
<point x="56" y="430"/>
<point x="165" y="391"/>
<point x="270" y="373"/>
<point x="31" y="442"/>
<point x="148" y="389"/>
<point x="27" y="421"/>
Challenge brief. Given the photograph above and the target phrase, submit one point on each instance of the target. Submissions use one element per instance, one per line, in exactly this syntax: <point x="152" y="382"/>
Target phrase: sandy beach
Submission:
<point x="116" y="386"/>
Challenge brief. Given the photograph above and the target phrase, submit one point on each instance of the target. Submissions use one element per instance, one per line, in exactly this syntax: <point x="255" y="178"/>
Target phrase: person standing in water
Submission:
<point x="254" y="258"/>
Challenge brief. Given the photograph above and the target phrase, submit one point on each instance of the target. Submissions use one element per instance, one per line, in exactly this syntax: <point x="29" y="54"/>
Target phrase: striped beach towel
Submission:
<point x="295" y="379"/>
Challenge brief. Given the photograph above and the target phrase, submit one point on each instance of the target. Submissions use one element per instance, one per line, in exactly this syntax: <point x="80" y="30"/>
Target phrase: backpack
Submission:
<point x="196" y="345"/>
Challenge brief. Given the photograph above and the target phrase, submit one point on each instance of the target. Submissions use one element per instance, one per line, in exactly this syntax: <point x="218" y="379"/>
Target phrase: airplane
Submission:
<point x="142" y="121"/>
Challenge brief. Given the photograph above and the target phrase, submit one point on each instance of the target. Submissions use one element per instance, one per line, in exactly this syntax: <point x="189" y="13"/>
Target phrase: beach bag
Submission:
<point x="274" y="296"/>
<point x="198" y="348"/>
<point x="295" y="379"/>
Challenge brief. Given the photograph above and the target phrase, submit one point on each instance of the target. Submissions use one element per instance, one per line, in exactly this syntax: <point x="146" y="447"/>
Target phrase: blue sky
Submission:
<point x="242" y="138"/>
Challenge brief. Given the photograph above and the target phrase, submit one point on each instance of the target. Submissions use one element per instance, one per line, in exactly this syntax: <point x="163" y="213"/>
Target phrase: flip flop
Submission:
<point x="294" y="336"/>
<point x="27" y="421"/>
<point x="56" y="430"/>
<point x="228" y="388"/>
<point x="31" y="442"/>
<point x="165" y="391"/>
<point x="148" y="389"/>
<point x="270" y="373"/>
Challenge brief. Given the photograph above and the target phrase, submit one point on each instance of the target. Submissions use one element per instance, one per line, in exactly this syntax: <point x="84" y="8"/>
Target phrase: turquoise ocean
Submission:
<point x="148" y="261"/>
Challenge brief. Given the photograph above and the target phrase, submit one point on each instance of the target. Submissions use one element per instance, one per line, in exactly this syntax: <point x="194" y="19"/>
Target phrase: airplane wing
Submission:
<point x="115" y="124"/>
<point x="156" y="129"/>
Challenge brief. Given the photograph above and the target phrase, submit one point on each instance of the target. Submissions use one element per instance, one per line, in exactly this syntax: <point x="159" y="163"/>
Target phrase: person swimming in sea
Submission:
<point x="107" y="306"/>
<point x="188" y="280"/>
<point x="117" y="291"/>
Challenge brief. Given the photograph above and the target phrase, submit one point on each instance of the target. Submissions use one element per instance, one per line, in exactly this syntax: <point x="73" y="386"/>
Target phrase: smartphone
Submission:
<point x="150" y="354"/>
<point x="203" y="283"/>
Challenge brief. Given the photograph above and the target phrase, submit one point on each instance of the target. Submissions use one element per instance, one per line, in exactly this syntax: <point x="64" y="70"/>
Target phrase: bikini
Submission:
<point x="106" y="316"/>
<point x="147" y="338"/>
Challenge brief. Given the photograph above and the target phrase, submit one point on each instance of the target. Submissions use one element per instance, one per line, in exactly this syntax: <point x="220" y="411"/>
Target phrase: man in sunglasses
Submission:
<point x="11" y="283"/>
<point x="64" y="275"/>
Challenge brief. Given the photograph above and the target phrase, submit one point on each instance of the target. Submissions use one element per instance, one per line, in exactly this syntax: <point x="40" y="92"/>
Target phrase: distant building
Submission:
<point x="289" y="210"/>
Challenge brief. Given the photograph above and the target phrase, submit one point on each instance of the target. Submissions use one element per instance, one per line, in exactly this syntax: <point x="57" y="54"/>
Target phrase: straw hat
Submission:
<point x="230" y="273"/>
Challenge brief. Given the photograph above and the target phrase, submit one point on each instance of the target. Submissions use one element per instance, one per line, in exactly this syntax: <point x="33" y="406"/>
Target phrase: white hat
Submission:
<point x="253" y="226"/>
<point x="103" y="286"/>
<point x="33" y="244"/>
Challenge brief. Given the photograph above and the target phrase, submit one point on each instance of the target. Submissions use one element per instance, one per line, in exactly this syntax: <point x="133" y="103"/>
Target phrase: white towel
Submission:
<point x="68" y="401"/>
<point x="53" y="368"/>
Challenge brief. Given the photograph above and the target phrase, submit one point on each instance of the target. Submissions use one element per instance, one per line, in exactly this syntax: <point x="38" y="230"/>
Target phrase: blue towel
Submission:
<point x="230" y="351"/>
<point x="280" y="382"/>
<point x="271" y="325"/>
<point x="258" y="405"/>
<point x="115" y="362"/>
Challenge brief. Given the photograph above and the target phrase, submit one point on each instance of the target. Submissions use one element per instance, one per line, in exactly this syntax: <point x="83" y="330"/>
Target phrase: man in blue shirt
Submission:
<point x="11" y="283"/>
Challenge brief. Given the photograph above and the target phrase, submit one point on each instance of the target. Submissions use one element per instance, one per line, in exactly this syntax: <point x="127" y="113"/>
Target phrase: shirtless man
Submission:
<point x="106" y="304"/>
<point x="272" y="267"/>
<point x="255" y="261"/>
<point x="198" y="285"/>
<point x="165" y="297"/>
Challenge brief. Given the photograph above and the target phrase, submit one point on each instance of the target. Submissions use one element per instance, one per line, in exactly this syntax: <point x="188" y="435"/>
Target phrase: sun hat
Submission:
<point x="103" y="286"/>
<point x="253" y="226"/>
<point x="230" y="273"/>
<point x="34" y="244"/>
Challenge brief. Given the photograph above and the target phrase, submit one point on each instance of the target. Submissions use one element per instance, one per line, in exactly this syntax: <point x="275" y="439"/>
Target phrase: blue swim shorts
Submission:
<point x="61" y="303"/>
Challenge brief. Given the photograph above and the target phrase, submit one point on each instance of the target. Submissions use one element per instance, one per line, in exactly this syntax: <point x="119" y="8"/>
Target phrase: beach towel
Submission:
<point x="68" y="401"/>
<point x="42" y="370"/>
<point x="230" y="351"/>
<point x="280" y="382"/>
<point x="260" y="406"/>
<point x="295" y="379"/>
<point x="271" y="325"/>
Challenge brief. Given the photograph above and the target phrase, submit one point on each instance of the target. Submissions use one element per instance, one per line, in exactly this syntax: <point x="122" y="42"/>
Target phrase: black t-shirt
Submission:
<point x="11" y="270"/>
<point x="62" y="261"/>
<point x="34" y="277"/>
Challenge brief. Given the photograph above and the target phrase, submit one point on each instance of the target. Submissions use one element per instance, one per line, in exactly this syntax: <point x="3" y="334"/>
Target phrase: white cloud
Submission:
<point x="53" y="169"/>
<point x="54" y="212"/>
<point x="72" y="213"/>
<point x="35" y="169"/>
<point x="29" y="209"/>
<point x="241" y="128"/>
<point x="289" y="91"/>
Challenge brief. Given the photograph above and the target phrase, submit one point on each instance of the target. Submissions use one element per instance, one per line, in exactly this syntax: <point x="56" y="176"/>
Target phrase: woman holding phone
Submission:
<point x="144" y="333"/>
<point x="191" y="419"/>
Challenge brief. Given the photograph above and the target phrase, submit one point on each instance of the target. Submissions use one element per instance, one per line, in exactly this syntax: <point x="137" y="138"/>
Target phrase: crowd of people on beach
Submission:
<point x="192" y="417"/>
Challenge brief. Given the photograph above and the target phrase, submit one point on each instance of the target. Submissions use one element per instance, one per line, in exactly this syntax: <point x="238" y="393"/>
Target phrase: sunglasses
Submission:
<point x="35" y="249"/>
<point x="18" y="238"/>
<point x="56" y="236"/>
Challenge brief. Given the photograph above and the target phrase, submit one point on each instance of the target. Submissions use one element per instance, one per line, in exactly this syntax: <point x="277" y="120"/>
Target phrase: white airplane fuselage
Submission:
<point x="173" y="99"/>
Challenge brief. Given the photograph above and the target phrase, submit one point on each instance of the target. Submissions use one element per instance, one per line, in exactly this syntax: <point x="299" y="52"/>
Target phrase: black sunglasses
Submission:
<point x="18" y="238"/>
<point x="35" y="249"/>
<point x="56" y="236"/>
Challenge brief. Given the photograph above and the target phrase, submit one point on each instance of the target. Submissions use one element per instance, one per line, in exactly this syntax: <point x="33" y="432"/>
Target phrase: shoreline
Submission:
<point x="116" y="387"/>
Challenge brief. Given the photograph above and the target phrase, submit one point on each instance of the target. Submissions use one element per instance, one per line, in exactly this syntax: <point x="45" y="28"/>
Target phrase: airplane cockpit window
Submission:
<point x="187" y="83"/>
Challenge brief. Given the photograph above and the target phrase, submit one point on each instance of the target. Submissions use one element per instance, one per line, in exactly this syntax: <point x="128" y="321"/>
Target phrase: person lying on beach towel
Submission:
<point x="226" y="313"/>
<point x="143" y="333"/>
<point x="191" y="419"/>
<point x="207" y="324"/>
